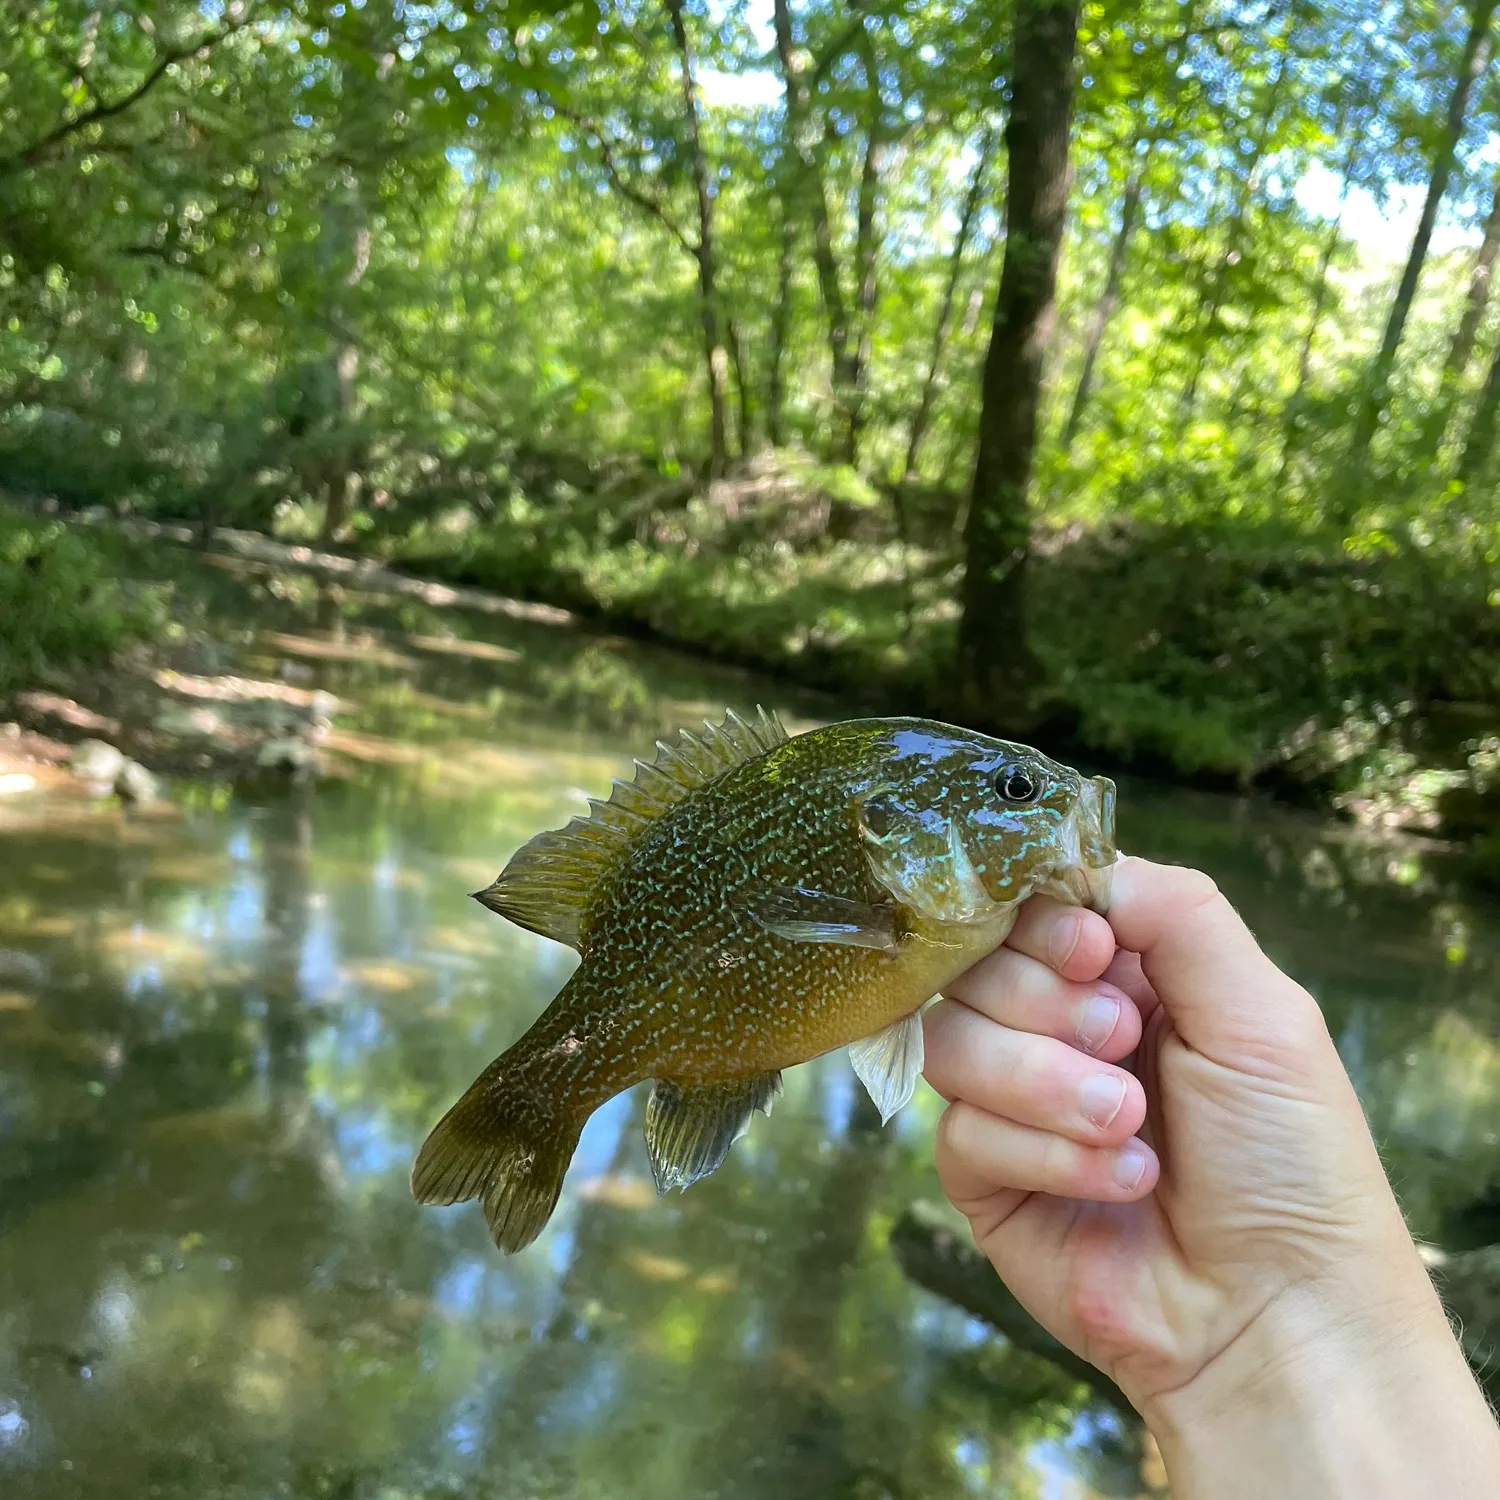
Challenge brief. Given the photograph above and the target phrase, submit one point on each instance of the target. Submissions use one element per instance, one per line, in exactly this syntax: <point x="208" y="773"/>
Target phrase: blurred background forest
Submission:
<point x="736" y="323"/>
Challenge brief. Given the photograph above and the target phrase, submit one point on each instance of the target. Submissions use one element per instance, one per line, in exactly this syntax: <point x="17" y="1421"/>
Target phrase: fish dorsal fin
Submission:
<point x="551" y="880"/>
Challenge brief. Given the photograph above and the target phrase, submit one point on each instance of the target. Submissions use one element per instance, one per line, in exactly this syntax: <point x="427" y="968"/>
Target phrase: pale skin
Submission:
<point x="1154" y="1141"/>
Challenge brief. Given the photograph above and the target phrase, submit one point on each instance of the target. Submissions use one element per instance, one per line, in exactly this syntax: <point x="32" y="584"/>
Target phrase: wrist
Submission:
<point x="1356" y="1390"/>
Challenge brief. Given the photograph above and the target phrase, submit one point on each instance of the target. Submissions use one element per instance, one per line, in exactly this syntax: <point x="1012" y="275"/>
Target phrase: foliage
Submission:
<point x="60" y="601"/>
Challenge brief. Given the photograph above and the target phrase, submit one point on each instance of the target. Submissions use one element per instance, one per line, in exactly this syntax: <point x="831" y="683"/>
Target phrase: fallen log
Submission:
<point x="943" y="1259"/>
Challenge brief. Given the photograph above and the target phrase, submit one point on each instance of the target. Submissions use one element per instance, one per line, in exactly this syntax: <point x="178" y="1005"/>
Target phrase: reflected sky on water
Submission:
<point x="226" y="1026"/>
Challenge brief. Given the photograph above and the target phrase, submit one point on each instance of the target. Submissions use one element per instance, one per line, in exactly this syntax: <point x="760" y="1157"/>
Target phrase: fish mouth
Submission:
<point x="1085" y="876"/>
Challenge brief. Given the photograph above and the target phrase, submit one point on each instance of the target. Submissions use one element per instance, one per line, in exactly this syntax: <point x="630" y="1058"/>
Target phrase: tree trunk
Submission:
<point x="811" y="196"/>
<point x="1456" y="365"/>
<point x="1479" y="444"/>
<point x="713" y="343"/>
<point x="853" y="400"/>
<point x="1377" y="383"/>
<point x="1293" y="413"/>
<point x="1130" y="207"/>
<point x="781" y="318"/>
<point x="941" y="329"/>
<point x="745" y="426"/>
<point x="344" y="481"/>
<point x="995" y="664"/>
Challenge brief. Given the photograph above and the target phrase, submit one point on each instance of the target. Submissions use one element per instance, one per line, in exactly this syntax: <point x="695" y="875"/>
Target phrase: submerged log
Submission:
<point x="944" y="1260"/>
<point x="941" y="1257"/>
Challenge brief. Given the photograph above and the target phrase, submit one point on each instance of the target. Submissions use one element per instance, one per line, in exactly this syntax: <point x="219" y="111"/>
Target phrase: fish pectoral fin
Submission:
<point x="806" y="916"/>
<point x="690" y="1127"/>
<point x="938" y="881"/>
<point x="888" y="1063"/>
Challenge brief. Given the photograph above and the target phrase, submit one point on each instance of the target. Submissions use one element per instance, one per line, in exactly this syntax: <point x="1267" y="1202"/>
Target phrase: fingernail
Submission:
<point x="1097" y="1021"/>
<point x="1101" y="1098"/>
<point x="1130" y="1166"/>
<point x="1064" y="939"/>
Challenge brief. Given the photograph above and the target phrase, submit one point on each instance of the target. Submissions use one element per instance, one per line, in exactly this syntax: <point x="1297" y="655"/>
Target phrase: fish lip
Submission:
<point x="1080" y="885"/>
<point x="1085" y="875"/>
<point x="1096" y="814"/>
<point x="1100" y="881"/>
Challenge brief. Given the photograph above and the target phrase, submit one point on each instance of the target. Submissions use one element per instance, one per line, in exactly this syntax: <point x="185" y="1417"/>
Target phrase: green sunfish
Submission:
<point x="747" y="902"/>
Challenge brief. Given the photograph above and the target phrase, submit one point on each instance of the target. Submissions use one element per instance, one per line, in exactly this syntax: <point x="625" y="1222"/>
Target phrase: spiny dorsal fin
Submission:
<point x="550" y="880"/>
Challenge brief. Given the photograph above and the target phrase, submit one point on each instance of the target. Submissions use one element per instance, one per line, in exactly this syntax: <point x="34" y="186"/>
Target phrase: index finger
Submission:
<point x="1070" y="940"/>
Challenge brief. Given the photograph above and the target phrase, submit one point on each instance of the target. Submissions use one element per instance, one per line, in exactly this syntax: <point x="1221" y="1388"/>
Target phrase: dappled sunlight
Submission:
<point x="630" y="1193"/>
<point x="361" y="648"/>
<point x="657" y="1267"/>
<point x="386" y="976"/>
<point x="468" y="649"/>
<point x="143" y="953"/>
<point x="461" y="942"/>
<point x="375" y="749"/>
<point x="66" y="711"/>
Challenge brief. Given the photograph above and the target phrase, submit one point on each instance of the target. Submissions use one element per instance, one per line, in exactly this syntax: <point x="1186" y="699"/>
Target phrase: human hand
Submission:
<point x="1190" y="1197"/>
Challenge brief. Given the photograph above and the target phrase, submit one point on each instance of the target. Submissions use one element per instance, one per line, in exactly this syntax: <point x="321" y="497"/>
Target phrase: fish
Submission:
<point x="747" y="902"/>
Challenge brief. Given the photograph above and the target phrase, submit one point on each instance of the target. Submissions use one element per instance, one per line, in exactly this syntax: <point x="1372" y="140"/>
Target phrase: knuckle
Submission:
<point x="955" y="1132"/>
<point x="1061" y="1165"/>
<point x="1017" y="1072"/>
<point x="1199" y="890"/>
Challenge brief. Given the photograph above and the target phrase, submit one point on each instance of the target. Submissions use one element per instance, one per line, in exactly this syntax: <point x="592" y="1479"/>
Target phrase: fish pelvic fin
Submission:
<point x="690" y="1127"/>
<point x="510" y="1155"/>
<point x="551" y="880"/>
<point x="889" y="1063"/>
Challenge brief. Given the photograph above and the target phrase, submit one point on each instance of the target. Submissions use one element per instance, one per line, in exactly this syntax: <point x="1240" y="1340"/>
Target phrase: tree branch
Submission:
<point x="835" y="50"/>
<point x="622" y="184"/>
<point x="30" y="155"/>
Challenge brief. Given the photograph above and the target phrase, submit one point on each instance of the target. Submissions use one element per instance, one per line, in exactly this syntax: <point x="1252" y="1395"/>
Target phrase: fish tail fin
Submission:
<point x="510" y="1154"/>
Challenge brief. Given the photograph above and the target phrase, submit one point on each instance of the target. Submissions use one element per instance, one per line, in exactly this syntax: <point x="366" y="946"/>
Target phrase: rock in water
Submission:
<point x="135" y="783"/>
<point x="749" y="902"/>
<point x="96" y="761"/>
<point x="290" y="754"/>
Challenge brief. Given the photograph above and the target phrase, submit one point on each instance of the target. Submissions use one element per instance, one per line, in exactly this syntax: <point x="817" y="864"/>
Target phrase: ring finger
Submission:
<point x="1098" y="1018"/>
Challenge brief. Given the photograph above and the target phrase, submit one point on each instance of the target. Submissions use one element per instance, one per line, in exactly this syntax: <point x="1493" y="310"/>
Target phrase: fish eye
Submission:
<point x="1015" y="785"/>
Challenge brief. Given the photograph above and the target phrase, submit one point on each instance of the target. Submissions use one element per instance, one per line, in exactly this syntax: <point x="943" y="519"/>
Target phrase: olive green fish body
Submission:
<point x="747" y="908"/>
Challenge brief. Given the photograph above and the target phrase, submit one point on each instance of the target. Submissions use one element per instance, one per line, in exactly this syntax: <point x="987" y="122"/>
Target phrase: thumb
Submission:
<point x="1226" y="999"/>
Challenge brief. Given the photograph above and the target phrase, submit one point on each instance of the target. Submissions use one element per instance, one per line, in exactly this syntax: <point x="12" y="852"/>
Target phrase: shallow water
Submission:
<point x="224" y="1029"/>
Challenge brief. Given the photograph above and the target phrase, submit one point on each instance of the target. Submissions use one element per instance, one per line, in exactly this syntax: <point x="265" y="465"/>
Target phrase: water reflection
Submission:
<point x="224" y="1030"/>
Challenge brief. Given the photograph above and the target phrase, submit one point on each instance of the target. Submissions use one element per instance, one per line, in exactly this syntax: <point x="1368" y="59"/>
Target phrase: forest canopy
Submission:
<point x="1050" y="339"/>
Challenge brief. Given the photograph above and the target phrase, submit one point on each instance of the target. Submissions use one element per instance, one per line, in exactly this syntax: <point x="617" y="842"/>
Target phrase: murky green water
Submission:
<point x="223" y="1033"/>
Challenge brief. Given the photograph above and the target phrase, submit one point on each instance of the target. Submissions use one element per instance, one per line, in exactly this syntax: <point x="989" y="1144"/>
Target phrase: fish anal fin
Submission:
<point x="551" y="880"/>
<point x="690" y="1127"/>
<point x="801" y="915"/>
<point x="888" y="1063"/>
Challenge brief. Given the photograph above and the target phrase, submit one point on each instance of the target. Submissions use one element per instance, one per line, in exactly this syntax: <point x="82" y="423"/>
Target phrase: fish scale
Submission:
<point x="747" y="903"/>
